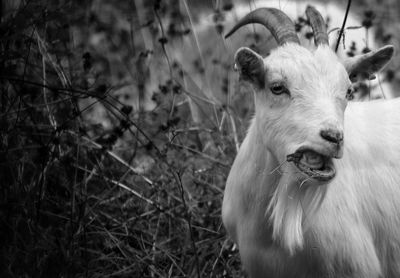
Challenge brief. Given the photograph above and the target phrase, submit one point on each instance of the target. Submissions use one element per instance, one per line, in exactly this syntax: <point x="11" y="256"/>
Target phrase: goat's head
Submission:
<point x="300" y="94"/>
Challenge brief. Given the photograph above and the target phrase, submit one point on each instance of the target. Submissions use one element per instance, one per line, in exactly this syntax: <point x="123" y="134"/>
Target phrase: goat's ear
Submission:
<point x="250" y="66"/>
<point x="364" y="66"/>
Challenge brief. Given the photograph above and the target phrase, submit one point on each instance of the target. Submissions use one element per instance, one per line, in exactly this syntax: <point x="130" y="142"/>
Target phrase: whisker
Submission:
<point x="277" y="168"/>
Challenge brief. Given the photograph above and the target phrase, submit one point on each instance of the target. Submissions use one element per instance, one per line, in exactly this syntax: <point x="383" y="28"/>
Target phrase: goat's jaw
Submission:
<point x="313" y="164"/>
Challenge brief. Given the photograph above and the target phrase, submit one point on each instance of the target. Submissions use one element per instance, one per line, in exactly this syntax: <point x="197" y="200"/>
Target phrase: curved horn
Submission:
<point x="318" y="26"/>
<point x="278" y="23"/>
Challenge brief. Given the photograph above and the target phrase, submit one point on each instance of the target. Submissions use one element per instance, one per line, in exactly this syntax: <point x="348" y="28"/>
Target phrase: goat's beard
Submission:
<point x="292" y="206"/>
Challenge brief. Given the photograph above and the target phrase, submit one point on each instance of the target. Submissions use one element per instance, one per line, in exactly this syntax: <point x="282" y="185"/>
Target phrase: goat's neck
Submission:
<point x="251" y="182"/>
<point x="259" y="167"/>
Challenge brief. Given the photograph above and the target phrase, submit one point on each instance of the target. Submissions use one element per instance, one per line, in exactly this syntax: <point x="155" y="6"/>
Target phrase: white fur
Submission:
<point x="288" y="225"/>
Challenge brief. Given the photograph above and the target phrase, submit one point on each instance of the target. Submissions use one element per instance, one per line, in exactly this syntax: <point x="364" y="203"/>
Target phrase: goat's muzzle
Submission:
<point x="334" y="138"/>
<point x="313" y="164"/>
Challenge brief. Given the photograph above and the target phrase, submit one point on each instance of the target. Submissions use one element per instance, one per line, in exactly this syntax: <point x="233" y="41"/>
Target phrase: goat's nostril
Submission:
<point x="332" y="135"/>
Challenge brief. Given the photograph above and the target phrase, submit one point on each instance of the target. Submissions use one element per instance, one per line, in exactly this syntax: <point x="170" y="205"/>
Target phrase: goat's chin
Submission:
<point x="292" y="206"/>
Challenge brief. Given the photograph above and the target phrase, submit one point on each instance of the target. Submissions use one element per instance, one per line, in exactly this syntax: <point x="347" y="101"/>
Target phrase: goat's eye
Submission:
<point x="350" y="93"/>
<point x="278" y="89"/>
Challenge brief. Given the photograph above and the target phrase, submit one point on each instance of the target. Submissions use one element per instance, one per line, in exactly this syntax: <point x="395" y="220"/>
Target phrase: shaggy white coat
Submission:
<point x="289" y="226"/>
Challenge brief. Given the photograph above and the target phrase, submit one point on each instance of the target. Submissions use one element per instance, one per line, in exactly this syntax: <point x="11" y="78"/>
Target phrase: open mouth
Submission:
<point x="313" y="164"/>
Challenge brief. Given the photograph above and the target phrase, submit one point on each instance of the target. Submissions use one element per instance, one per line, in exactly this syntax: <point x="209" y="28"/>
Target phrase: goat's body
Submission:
<point x="355" y="232"/>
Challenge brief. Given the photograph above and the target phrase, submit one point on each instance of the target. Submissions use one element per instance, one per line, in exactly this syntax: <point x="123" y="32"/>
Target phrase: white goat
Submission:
<point x="302" y="199"/>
